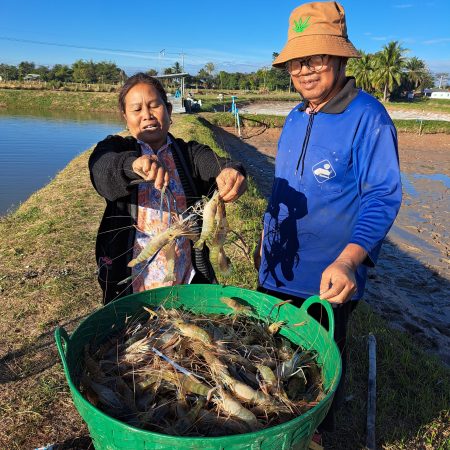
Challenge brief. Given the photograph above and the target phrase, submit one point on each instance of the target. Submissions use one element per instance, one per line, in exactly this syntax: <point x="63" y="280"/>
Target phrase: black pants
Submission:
<point x="341" y="316"/>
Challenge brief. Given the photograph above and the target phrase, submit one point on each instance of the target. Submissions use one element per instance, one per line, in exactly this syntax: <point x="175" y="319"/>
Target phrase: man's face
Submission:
<point x="315" y="86"/>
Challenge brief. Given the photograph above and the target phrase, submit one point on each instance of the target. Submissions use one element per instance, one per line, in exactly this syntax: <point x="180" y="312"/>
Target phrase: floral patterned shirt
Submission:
<point x="161" y="271"/>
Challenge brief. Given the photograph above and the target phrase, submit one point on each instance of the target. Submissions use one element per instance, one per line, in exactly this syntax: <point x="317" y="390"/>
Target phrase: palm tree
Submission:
<point x="209" y="67"/>
<point x="176" y="68"/>
<point x="415" y="71"/>
<point x="362" y="70"/>
<point x="388" y="68"/>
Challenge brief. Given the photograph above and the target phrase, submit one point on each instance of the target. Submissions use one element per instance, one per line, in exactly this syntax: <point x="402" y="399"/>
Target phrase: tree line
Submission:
<point x="386" y="74"/>
<point x="79" y="72"/>
<point x="389" y="73"/>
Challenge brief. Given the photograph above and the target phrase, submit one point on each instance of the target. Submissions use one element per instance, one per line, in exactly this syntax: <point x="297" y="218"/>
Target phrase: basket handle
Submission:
<point x="62" y="342"/>
<point x="328" y="308"/>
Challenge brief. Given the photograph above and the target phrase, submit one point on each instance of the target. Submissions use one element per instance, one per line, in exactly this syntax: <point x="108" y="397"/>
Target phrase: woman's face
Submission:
<point x="147" y="116"/>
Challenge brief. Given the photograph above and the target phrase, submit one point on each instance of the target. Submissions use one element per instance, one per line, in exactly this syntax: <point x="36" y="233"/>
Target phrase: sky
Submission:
<point x="235" y="35"/>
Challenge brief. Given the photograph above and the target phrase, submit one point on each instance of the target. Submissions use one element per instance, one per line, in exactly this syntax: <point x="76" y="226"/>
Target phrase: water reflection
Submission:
<point x="69" y="115"/>
<point x="35" y="146"/>
<point x="445" y="179"/>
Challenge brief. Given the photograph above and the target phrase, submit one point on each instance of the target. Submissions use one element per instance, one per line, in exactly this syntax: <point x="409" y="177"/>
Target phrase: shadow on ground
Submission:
<point x="33" y="357"/>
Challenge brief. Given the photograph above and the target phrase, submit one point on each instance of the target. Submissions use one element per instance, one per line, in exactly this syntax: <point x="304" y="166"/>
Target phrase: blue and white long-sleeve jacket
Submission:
<point x="337" y="181"/>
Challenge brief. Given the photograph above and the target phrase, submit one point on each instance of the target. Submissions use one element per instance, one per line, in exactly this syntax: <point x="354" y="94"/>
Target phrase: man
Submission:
<point x="337" y="186"/>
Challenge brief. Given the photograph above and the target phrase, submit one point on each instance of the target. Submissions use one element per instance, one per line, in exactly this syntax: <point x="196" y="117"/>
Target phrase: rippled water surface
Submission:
<point x="35" y="147"/>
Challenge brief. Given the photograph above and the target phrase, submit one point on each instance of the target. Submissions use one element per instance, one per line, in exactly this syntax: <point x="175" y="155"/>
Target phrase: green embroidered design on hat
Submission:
<point x="301" y="26"/>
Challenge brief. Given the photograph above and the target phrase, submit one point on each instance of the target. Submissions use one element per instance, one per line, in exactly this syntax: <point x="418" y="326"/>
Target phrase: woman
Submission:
<point x="129" y="172"/>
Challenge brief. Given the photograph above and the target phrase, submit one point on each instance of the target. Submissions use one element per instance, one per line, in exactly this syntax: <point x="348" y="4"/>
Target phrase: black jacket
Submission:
<point x="111" y="172"/>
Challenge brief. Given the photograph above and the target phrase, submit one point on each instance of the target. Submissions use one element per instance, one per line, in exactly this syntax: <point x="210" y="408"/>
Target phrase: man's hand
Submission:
<point x="150" y="169"/>
<point x="338" y="282"/>
<point x="231" y="184"/>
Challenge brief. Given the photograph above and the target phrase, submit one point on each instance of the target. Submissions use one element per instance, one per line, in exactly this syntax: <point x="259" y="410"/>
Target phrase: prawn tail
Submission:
<point x="224" y="263"/>
<point x="170" y="256"/>
<point x="147" y="253"/>
<point x="219" y="260"/>
<point x="199" y="244"/>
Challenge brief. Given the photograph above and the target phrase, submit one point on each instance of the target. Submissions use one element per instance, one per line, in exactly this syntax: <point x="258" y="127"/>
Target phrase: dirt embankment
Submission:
<point x="283" y="109"/>
<point x="410" y="286"/>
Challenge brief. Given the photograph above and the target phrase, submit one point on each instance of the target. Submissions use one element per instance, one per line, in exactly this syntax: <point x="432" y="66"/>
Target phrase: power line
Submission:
<point x="58" y="44"/>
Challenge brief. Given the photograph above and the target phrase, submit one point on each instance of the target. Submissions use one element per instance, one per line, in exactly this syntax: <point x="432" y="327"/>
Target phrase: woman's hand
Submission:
<point x="150" y="169"/>
<point x="231" y="184"/>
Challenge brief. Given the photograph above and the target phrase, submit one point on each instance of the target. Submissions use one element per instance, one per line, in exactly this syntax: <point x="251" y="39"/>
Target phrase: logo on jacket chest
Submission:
<point x="323" y="171"/>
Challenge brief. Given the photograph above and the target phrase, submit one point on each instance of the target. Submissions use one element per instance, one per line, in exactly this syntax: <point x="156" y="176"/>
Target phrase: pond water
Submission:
<point x="35" y="146"/>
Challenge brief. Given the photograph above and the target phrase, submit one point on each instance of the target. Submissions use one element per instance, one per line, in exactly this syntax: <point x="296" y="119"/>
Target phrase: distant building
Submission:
<point x="436" y="93"/>
<point x="32" y="77"/>
<point x="445" y="95"/>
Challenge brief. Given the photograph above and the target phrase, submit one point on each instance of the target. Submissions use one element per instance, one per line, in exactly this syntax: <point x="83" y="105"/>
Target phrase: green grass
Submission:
<point x="273" y="121"/>
<point x="56" y="100"/>
<point x="247" y="120"/>
<point x="48" y="277"/>
<point x="422" y="126"/>
<point x="422" y="104"/>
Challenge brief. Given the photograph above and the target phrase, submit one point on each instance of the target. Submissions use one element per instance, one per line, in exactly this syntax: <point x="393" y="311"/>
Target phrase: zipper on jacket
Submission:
<point x="302" y="156"/>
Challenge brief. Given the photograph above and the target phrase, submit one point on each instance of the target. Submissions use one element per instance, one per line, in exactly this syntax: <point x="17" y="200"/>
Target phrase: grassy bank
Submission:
<point x="58" y="100"/>
<point x="48" y="278"/>
<point x="107" y="101"/>
<point x="421" y="104"/>
<point x="272" y="121"/>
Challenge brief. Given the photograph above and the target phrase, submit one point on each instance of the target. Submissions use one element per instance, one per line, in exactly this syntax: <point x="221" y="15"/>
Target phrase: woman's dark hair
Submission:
<point x="139" y="78"/>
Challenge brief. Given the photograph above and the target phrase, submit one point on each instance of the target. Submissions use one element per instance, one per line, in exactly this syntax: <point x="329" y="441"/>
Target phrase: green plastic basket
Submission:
<point x="111" y="434"/>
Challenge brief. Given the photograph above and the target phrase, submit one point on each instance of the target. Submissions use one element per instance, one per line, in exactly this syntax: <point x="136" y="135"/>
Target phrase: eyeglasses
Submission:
<point x="314" y="63"/>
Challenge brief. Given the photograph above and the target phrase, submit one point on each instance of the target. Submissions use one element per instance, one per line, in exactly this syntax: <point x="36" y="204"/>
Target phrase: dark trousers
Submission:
<point x="341" y="316"/>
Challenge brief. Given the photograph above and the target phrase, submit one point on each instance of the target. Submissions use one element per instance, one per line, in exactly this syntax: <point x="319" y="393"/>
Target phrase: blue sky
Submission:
<point x="234" y="35"/>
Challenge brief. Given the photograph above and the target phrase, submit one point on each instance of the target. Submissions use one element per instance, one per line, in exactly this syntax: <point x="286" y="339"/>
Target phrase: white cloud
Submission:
<point x="408" y="41"/>
<point x="439" y="65"/>
<point x="436" y="41"/>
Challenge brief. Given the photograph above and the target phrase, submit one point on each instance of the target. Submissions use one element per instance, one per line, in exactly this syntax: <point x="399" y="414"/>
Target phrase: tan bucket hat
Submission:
<point x="316" y="28"/>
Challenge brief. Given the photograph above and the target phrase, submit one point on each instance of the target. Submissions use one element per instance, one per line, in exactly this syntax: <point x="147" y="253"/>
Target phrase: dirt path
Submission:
<point x="410" y="286"/>
<point x="283" y="109"/>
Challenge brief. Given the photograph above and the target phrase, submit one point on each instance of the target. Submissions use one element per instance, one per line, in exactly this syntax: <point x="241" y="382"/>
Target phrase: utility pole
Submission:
<point x="441" y="77"/>
<point x="161" y="55"/>
<point x="182" y="60"/>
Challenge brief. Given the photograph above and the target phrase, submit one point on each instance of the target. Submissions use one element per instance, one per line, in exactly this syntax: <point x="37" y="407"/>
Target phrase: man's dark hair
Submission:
<point x="139" y="78"/>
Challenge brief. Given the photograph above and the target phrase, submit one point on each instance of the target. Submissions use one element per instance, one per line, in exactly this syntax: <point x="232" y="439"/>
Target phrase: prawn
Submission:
<point x="247" y="394"/>
<point x="170" y="257"/>
<point x="220" y="233"/>
<point x="269" y="380"/>
<point x="182" y="228"/>
<point x="192" y="331"/>
<point x="234" y="408"/>
<point x="218" y="258"/>
<point x="275" y="327"/>
<point x="237" y="307"/>
<point x="187" y="383"/>
<point x="215" y="365"/>
<point x="209" y="215"/>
